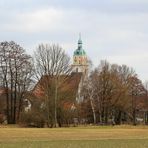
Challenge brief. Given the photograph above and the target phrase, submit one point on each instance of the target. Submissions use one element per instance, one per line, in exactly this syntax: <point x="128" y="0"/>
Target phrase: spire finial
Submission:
<point x="79" y="41"/>
<point x="79" y="36"/>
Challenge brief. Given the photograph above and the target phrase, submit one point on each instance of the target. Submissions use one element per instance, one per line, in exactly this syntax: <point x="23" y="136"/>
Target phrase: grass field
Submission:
<point x="77" y="137"/>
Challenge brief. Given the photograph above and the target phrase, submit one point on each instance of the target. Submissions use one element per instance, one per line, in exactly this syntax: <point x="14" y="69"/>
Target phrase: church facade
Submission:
<point x="80" y="66"/>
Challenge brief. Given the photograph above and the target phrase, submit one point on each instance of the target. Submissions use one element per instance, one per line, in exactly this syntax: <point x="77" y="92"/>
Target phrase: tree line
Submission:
<point x="110" y="92"/>
<point x="113" y="93"/>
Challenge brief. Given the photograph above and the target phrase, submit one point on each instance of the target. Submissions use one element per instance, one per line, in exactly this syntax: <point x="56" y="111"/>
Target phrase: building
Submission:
<point x="79" y="72"/>
<point x="69" y="89"/>
<point x="70" y="86"/>
<point x="80" y="65"/>
<point x="80" y="61"/>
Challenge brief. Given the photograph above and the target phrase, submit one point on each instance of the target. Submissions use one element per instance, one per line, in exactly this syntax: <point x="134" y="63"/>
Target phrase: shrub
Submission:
<point x="2" y="118"/>
<point x="32" y="119"/>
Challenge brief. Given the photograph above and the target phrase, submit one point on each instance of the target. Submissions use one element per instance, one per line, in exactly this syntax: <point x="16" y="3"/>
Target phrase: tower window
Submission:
<point x="76" y="69"/>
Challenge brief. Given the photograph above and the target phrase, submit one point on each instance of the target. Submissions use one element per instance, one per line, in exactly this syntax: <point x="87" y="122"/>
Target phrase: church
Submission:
<point x="69" y="90"/>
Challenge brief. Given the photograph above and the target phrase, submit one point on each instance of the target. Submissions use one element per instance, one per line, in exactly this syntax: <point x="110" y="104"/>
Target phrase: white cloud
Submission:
<point x="37" y="21"/>
<point x="118" y="38"/>
<point x="130" y="1"/>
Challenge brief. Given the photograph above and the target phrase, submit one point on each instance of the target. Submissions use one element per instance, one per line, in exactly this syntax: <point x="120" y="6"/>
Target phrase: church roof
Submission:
<point x="68" y="87"/>
<point x="79" y="51"/>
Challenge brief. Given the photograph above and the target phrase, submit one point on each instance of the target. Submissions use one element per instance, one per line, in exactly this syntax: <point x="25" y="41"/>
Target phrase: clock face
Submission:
<point x="80" y="60"/>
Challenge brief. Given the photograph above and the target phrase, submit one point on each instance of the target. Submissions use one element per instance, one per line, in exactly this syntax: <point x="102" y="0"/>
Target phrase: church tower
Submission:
<point x="80" y="62"/>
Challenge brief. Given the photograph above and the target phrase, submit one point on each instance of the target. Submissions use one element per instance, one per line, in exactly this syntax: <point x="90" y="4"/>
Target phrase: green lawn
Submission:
<point x="78" y="137"/>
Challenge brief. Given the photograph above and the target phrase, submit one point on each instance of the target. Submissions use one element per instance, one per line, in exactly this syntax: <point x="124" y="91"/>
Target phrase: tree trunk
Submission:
<point x="118" y="117"/>
<point x="106" y="115"/>
<point x="93" y="109"/>
<point x="55" y="101"/>
<point x="146" y="117"/>
<point x="134" y="117"/>
<point x="7" y="104"/>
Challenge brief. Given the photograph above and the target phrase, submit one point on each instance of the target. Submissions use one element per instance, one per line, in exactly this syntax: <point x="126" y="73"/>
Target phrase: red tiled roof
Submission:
<point x="68" y="85"/>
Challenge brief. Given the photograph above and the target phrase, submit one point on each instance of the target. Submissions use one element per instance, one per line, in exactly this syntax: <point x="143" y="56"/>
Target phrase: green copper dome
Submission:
<point x="79" y="51"/>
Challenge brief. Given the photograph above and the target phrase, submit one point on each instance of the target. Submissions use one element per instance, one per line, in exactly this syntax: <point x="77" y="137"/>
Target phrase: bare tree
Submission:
<point x="146" y="98"/>
<point x="15" y="69"/>
<point x="51" y="63"/>
<point x="136" y="89"/>
<point x="88" y="91"/>
<point x="112" y="90"/>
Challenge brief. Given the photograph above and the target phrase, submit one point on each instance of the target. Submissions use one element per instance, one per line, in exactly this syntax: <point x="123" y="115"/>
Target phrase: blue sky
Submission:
<point x="115" y="30"/>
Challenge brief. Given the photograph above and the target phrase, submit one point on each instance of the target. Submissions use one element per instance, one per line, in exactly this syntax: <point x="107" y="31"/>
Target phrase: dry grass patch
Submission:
<point x="79" y="137"/>
<point x="80" y="133"/>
